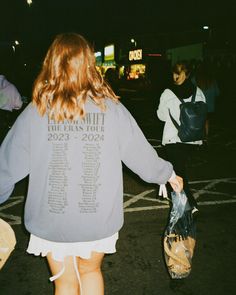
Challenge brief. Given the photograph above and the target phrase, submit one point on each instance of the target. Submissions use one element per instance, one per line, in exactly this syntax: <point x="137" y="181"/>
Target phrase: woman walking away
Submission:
<point x="178" y="152"/>
<point x="71" y="141"/>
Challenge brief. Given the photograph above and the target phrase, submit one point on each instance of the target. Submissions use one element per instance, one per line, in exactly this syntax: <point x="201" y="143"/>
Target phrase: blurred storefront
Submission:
<point x="136" y="67"/>
<point x="98" y="56"/>
<point x="105" y="58"/>
<point x="139" y="67"/>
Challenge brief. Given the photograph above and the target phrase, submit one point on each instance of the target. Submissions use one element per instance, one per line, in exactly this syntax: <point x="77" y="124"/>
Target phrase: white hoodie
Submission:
<point x="169" y="101"/>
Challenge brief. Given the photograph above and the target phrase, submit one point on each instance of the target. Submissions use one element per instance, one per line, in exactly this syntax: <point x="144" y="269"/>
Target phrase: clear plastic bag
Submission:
<point x="179" y="237"/>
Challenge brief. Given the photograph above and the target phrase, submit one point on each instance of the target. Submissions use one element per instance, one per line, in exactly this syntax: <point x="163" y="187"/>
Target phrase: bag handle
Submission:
<point x="194" y="95"/>
<point x="174" y="121"/>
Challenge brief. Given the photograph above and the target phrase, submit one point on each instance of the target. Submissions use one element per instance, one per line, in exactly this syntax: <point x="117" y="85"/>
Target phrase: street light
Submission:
<point x="133" y="41"/>
<point x="209" y="32"/>
<point x="16" y="43"/>
<point x="29" y="2"/>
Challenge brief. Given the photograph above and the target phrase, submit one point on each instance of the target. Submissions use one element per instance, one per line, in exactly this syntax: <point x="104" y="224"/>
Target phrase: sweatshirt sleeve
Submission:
<point x="17" y="102"/>
<point x="10" y="98"/>
<point x="137" y="153"/>
<point x="14" y="157"/>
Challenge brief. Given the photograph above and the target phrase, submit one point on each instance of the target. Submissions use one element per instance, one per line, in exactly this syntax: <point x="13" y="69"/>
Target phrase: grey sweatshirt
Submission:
<point x="75" y="190"/>
<point x="10" y="98"/>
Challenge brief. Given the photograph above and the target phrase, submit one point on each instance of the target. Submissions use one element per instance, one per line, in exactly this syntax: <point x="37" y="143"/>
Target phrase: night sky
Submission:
<point x="102" y="20"/>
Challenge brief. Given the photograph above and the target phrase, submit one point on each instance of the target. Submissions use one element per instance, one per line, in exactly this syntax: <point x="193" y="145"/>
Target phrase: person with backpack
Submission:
<point x="183" y="109"/>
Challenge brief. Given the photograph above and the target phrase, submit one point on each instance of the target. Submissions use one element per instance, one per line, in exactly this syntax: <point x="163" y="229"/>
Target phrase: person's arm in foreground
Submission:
<point x="14" y="157"/>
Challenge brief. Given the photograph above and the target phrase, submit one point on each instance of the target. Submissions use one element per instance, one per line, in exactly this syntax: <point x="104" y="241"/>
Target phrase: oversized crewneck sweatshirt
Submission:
<point x="10" y="98"/>
<point x="75" y="190"/>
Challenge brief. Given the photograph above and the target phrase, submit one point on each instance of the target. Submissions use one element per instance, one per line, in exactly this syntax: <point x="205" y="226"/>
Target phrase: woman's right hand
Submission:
<point x="177" y="183"/>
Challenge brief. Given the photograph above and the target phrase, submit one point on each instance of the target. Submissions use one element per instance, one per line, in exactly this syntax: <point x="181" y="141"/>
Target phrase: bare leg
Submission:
<point x="91" y="275"/>
<point x="68" y="282"/>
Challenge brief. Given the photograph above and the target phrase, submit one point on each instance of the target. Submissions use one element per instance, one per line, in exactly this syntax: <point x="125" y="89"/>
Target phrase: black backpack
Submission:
<point x="192" y="119"/>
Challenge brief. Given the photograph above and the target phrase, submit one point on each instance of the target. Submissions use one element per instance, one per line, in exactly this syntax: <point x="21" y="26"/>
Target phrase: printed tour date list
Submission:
<point x="58" y="179"/>
<point x="89" y="135"/>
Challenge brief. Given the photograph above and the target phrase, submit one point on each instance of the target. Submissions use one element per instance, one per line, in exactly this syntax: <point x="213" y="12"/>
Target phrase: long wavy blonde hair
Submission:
<point x="68" y="78"/>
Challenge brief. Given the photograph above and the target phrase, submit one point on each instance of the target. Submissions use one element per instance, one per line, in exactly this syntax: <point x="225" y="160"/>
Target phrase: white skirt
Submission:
<point x="59" y="251"/>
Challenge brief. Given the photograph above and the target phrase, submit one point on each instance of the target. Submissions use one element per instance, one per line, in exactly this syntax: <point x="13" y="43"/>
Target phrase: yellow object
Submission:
<point x="7" y="241"/>
<point x="178" y="255"/>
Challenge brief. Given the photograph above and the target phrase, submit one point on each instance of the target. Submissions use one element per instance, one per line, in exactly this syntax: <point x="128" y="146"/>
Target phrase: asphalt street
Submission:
<point x="138" y="267"/>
